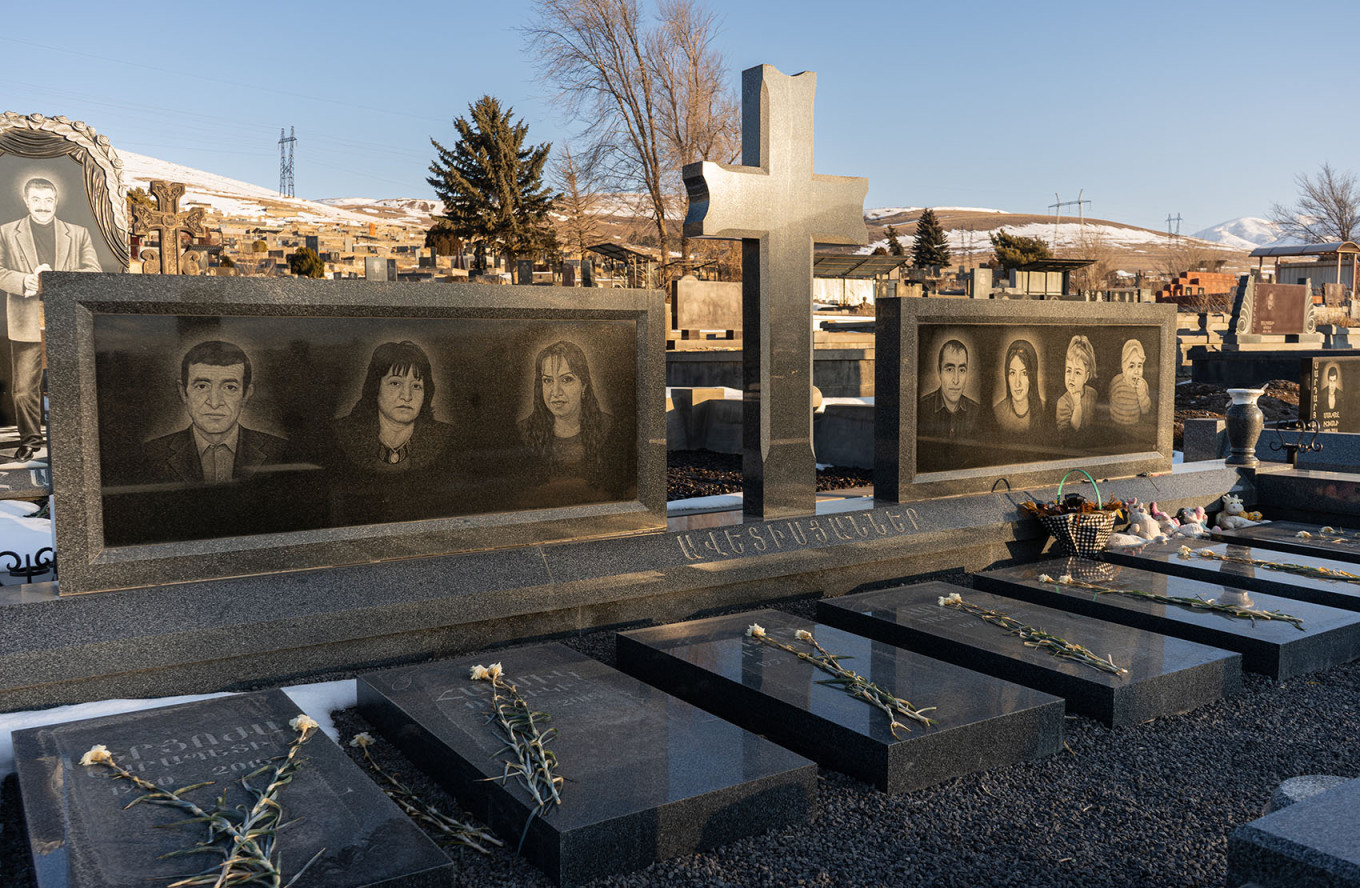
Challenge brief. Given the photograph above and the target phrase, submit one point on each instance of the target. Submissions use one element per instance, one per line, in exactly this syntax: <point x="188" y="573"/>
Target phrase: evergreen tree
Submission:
<point x="931" y="247"/>
<point x="1013" y="251"/>
<point x="895" y="247"/>
<point x="306" y="263"/>
<point x="492" y="184"/>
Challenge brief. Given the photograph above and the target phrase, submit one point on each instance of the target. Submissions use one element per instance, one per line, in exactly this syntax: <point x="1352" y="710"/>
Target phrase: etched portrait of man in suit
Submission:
<point x="215" y="385"/>
<point x="29" y="246"/>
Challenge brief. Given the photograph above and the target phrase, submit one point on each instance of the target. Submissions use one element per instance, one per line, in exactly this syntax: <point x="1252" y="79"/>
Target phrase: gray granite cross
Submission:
<point x="779" y="208"/>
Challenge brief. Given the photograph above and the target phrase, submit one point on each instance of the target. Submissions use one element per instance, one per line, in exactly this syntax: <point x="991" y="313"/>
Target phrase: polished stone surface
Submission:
<point x="1315" y="842"/>
<point x="647" y="776"/>
<point x="1275" y="648"/>
<point x="1166" y="675"/>
<point x="1340" y="543"/>
<point x="81" y="836"/>
<point x="1167" y="558"/>
<point x="982" y="722"/>
<point x="778" y="207"/>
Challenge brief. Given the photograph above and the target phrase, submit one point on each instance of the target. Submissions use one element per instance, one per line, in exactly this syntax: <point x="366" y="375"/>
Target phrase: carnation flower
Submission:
<point x="1045" y="578"/>
<point x="803" y="635"/>
<point x="97" y="755"/>
<point x="479" y="673"/>
<point x="1186" y="551"/>
<point x="755" y="630"/>
<point x="1065" y="579"/>
<point x="1329" y="530"/>
<point x="303" y="723"/>
<point x="494" y="671"/>
<point x="951" y="598"/>
<point x="1303" y="535"/>
<point x="363" y="740"/>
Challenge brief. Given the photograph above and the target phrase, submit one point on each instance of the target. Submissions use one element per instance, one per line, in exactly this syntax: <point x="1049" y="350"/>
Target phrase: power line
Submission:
<point x="286" y="163"/>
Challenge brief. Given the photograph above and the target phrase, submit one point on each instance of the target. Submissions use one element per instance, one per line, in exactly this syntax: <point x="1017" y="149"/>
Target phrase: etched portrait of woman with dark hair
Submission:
<point x="569" y="437"/>
<point x="1020" y="406"/>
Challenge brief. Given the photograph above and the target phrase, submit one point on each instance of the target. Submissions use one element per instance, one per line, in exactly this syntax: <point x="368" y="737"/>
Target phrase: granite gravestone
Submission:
<point x="981" y="722"/>
<point x="967" y="391"/>
<point x="647" y="776"/>
<point x="1329" y="393"/>
<point x="167" y="222"/>
<point x="1313" y="842"/>
<point x="1254" y="567"/>
<point x="1334" y="543"/>
<point x="1165" y="675"/>
<point x="1271" y="316"/>
<point x="82" y="836"/>
<point x="1325" y="637"/>
<point x="706" y="305"/>
<point x="779" y="208"/>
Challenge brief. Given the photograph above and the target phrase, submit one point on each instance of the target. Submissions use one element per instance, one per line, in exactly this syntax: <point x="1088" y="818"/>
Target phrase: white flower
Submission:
<point x="1065" y="579"/>
<point x="1303" y="535"/>
<point x="96" y="755"/>
<point x="755" y="630"/>
<point x="951" y="598"/>
<point x="1328" y="530"/>
<point x="479" y="673"/>
<point x="1045" y="578"/>
<point x="303" y="723"/>
<point x="494" y="671"/>
<point x="1186" y="551"/>
<point x="803" y="635"/>
<point x="363" y="740"/>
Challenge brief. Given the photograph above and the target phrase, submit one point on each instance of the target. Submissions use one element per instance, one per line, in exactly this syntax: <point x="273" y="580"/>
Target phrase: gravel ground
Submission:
<point x="691" y="473"/>
<point x="1150" y="805"/>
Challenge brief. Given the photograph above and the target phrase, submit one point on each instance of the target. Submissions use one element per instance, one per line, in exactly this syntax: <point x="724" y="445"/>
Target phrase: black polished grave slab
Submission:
<point x="81" y="836"/>
<point x="1337" y="543"/>
<point x="1275" y="648"/>
<point x="1315" y="842"/>
<point x="1166" y="675"/>
<point x="647" y="776"/>
<point x="982" y="722"/>
<point x="1168" y="558"/>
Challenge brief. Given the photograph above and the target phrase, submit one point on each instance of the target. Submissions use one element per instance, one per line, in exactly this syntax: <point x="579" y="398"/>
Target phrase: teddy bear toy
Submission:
<point x="1191" y="523"/>
<point x="1142" y="528"/>
<point x="1234" y="516"/>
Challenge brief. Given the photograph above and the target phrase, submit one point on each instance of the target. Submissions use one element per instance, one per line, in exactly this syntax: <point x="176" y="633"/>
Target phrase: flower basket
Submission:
<point x="1080" y="526"/>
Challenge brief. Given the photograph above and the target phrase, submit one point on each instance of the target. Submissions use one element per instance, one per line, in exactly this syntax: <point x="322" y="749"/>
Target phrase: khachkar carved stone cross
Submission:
<point x="167" y="221"/>
<point x="779" y="208"/>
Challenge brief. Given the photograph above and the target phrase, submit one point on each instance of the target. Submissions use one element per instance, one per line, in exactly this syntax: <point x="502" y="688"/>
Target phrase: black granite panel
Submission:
<point x="1168" y="558"/>
<point x="1337" y="543"/>
<point x="982" y="722"/>
<point x="1275" y="648"/>
<point x="1315" y="842"/>
<point x="1166" y="675"/>
<point x="82" y="837"/>
<point x="647" y="776"/>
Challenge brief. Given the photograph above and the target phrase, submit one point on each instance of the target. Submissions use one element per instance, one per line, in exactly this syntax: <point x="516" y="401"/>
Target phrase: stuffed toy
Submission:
<point x="1233" y="515"/>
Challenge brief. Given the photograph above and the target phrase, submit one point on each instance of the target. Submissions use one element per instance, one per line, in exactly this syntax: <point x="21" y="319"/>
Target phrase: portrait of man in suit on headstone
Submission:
<point x="1331" y="386"/>
<point x="947" y="413"/>
<point x="215" y="385"/>
<point x="29" y="246"/>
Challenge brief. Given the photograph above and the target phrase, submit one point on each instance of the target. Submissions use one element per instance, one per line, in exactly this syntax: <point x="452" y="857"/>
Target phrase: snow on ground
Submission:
<point x="318" y="700"/>
<point x="883" y="212"/>
<point x="1068" y="235"/>
<point x="1246" y="233"/>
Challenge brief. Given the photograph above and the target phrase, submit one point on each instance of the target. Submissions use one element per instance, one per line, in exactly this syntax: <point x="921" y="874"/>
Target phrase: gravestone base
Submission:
<point x="981" y="722"/>
<point x="1314" y="842"/>
<point x="647" y="777"/>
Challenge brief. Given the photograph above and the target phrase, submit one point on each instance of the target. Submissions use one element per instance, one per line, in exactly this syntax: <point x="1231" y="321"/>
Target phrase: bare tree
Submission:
<point x="579" y="202"/>
<point x="653" y="97"/>
<point x="1328" y="208"/>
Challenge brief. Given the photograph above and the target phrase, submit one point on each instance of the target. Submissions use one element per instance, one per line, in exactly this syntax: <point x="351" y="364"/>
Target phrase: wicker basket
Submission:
<point x="1080" y="533"/>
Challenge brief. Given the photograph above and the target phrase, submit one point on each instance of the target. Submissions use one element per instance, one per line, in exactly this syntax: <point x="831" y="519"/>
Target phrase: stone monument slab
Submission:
<point x="1329" y="392"/>
<point x="1325" y="637"/>
<point x="1268" y="316"/>
<point x="1312" y="842"/>
<point x="1167" y="558"/>
<point x="647" y="776"/>
<point x="82" y="837"/>
<point x="1165" y="675"/>
<point x="981" y="722"/>
<point x="1337" y="544"/>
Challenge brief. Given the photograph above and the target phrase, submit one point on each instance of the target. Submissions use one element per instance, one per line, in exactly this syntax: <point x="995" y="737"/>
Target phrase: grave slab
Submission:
<point x="982" y="722"/>
<point x="1328" y="636"/>
<point x="1314" y="842"/>
<point x="81" y="837"/>
<point x="1340" y="544"/>
<point x="1166" y="675"/>
<point x="647" y="776"/>
<point x="1167" y="558"/>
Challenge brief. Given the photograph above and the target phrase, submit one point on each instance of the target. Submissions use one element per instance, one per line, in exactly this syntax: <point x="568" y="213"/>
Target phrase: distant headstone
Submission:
<point x="779" y="208"/>
<point x="524" y="272"/>
<point x="349" y="245"/>
<point x="312" y="242"/>
<point x="568" y="274"/>
<point x="167" y="221"/>
<point x="1268" y="316"/>
<point x="706" y="305"/>
<point x="82" y="835"/>
<point x="1329" y="393"/>
<point x="587" y="273"/>
<point x="646" y="777"/>
<point x="376" y="268"/>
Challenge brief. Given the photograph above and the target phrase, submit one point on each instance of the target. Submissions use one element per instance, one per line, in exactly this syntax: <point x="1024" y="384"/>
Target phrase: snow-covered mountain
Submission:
<point x="1245" y="233"/>
<point x="976" y="240"/>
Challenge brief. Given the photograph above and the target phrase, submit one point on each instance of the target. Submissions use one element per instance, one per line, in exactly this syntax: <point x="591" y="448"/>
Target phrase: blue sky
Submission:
<point x="1204" y="109"/>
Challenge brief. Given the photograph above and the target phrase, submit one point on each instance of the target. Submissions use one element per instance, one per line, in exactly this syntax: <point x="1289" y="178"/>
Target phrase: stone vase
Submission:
<point x="1245" y="424"/>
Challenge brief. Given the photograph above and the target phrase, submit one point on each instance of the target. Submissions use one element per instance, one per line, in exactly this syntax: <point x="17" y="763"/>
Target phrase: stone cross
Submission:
<point x="167" y="221"/>
<point x="778" y="207"/>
